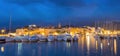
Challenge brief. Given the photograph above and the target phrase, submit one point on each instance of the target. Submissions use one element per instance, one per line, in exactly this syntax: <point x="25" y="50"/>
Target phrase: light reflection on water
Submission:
<point x="86" y="46"/>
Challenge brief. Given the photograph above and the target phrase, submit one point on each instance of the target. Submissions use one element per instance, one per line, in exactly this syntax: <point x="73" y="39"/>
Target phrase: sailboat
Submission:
<point x="10" y="38"/>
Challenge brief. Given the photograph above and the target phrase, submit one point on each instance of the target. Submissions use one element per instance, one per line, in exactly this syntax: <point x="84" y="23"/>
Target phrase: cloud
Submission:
<point x="24" y="2"/>
<point x="53" y="11"/>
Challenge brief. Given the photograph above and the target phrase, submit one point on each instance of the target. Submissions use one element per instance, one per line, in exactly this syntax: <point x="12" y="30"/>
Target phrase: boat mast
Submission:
<point x="69" y="26"/>
<point x="10" y="24"/>
<point x="95" y="25"/>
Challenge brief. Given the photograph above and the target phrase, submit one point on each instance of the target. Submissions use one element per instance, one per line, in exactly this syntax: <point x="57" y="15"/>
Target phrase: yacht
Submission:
<point x="18" y="39"/>
<point x="25" y="39"/>
<point x="9" y="39"/>
<point x="50" y="38"/>
<point x="67" y="37"/>
<point x="59" y="38"/>
<point x="96" y="36"/>
<point x="2" y="39"/>
<point x="42" y="38"/>
<point x="118" y="37"/>
<point x="75" y="38"/>
<point x="11" y="35"/>
<point x="34" y="38"/>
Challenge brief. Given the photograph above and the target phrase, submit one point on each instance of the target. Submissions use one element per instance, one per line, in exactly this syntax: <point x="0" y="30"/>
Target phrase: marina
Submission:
<point x="86" y="46"/>
<point x="39" y="38"/>
<point x="52" y="38"/>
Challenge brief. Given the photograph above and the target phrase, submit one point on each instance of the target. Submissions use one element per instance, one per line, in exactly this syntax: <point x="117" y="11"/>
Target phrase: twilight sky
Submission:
<point x="52" y="12"/>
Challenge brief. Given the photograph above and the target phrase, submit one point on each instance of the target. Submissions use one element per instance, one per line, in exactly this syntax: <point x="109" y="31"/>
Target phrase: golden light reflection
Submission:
<point x="108" y="43"/>
<point x="96" y="45"/>
<point x="56" y="33"/>
<point x="82" y="42"/>
<point x="68" y="44"/>
<point x="2" y="49"/>
<point x="71" y="33"/>
<point x="2" y="31"/>
<point x="88" y="42"/>
<point x="43" y="33"/>
<point x="19" y="48"/>
<point x="115" y="47"/>
<point x="101" y="46"/>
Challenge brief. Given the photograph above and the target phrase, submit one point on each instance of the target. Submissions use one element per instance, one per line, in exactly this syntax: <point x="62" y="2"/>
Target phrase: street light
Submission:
<point x="3" y="31"/>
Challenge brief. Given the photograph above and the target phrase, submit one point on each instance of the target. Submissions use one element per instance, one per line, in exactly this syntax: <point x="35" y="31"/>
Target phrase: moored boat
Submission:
<point x="59" y="38"/>
<point x="42" y="38"/>
<point x="18" y="39"/>
<point x="25" y="39"/>
<point x="9" y="39"/>
<point x="2" y="39"/>
<point x="75" y="38"/>
<point x="67" y="37"/>
<point x="50" y="38"/>
<point x="34" y="38"/>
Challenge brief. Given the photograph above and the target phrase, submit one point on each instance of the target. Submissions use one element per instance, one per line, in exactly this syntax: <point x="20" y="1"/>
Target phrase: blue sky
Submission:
<point x="52" y="12"/>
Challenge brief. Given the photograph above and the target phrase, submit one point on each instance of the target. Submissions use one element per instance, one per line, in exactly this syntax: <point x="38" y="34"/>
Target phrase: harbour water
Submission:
<point x="86" y="46"/>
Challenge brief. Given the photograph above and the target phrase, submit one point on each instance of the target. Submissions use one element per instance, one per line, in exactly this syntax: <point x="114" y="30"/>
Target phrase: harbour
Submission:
<point x="86" y="46"/>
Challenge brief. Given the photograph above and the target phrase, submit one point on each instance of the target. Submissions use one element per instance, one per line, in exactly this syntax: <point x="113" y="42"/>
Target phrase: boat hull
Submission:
<point x="42" y="39"/>
<point x="10" y="40"/>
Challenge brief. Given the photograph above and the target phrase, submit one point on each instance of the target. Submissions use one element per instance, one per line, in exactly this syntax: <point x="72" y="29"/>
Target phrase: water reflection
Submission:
<point x="86" y="46"/>
<point x="19" y="48"/>
<point x="115" y="46"/>
<point x="96" y="44"/>
<point x="68" y="44"/>
<point x="2" y="49"/>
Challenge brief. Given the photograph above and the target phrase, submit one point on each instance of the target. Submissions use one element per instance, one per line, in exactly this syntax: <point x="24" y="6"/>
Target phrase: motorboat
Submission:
<point x="18" y="38"/>
<point x="67" y="37"/>
<point x="42" y="38"/>
<point x="9" y="39"/>
<point x="50" y="38"/>
<point x="118" y="37"/>
<point x="25" y="39"/>
<point x="96" y="36"/>
<point x="99" y="37"/>
<point x="2" y="39"/>
<point x="75" y="38"/>
<point x="59" y="38"/>
<point x="34" y="38"/>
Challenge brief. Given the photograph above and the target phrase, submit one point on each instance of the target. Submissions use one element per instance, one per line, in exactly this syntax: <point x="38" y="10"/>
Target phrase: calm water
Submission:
<point x="86" y="46"/>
